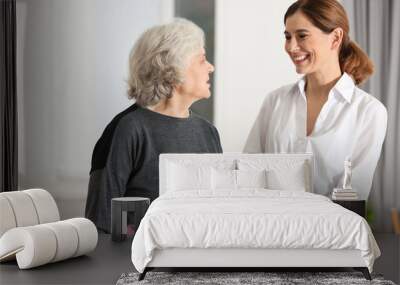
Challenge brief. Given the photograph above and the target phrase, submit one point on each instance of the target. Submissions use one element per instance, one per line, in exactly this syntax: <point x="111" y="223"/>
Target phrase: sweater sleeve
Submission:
<point x="110" y="181"/>
<point x="218" y="140"/>
<point x="120" y="160"/>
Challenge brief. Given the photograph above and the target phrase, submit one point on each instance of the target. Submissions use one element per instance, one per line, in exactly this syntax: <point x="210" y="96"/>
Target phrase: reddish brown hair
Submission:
<point x="328" y="15"/>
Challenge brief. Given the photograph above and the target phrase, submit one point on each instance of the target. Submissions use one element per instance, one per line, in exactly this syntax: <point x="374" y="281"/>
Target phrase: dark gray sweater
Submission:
<point x="125" y="158"/>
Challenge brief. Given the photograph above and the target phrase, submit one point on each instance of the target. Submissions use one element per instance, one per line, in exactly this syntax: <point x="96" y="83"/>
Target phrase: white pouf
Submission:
<point x="30" y="230"/>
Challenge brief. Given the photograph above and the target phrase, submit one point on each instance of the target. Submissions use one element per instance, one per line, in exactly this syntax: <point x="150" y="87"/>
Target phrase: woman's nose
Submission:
<point x="292" y="45"/>
<point x="211" y="68"/>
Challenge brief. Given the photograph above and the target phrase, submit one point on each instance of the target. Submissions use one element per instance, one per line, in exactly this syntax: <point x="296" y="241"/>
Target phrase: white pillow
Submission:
<point x="188" y="177"/>
<point x="223" y="179"/>
<point x="293" y="179"/>
<point x="282" y="173"/>
<point x="226" y="179"/>
<point x="251" y="178"/>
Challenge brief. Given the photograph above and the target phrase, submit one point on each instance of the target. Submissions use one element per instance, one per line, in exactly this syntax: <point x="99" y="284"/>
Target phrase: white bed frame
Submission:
<point x="250" y="258"/>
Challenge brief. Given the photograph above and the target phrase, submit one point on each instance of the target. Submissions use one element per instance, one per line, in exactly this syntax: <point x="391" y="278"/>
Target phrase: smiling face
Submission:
<point x="197" y="77"/>
<point x="310" y="49"/>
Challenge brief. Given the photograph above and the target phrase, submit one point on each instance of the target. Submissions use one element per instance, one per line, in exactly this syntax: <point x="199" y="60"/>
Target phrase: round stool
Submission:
<point x="120" y="207"/>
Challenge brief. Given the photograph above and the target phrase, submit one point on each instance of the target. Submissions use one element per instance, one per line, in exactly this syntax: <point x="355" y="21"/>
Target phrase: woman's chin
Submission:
<point x="199" y="97"/>
<point x="304" y="69"/>
<point x="205" y="95"/>
<point x="300" y="70"/>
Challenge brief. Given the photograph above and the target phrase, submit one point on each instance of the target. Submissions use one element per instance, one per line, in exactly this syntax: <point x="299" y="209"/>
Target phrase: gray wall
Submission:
<point x="72" y="59"/>
<point x="203" y="14"/>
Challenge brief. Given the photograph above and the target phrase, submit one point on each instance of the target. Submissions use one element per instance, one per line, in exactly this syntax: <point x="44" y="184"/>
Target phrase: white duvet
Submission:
<point x="250" y="219"/>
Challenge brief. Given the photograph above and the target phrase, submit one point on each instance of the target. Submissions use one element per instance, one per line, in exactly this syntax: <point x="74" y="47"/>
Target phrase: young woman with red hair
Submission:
<point x="325" y="112"/>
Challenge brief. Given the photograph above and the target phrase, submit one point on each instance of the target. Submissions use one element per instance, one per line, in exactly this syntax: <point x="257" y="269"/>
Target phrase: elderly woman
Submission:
<point x="168" y="73"/>
<point x="324" y="112"/>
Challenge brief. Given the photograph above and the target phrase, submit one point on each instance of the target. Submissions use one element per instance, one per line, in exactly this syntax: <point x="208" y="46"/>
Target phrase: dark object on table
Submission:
<point x="120" y="208"/>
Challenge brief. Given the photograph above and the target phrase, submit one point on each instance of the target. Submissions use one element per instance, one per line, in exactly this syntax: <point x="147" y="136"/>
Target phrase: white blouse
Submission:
<point x="351" y="123"/>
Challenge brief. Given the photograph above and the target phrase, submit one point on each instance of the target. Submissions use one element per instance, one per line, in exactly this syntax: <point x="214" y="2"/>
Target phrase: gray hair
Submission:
<point x="158" y="59"/>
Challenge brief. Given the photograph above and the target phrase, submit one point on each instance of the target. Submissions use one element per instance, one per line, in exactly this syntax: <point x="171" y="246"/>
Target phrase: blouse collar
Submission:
<point x="343" y="87"/>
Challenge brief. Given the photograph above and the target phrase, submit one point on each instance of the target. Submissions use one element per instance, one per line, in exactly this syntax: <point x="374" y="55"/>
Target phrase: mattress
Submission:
<point x="251" y="219"/>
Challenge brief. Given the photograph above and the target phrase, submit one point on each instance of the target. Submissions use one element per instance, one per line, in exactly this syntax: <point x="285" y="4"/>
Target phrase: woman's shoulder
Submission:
<point x="125" y="123"/>
<point x="199" y="119"/>
<point x="127" y="118"/>
<point x="284" y="90"/>
<point x="366" y="101"/>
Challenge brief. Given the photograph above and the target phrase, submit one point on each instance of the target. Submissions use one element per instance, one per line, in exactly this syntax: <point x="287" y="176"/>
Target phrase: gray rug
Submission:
<point x="230" y="278"/>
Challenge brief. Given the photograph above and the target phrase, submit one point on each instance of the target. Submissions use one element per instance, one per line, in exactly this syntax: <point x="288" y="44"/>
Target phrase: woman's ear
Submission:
<point x="337" y="38"/>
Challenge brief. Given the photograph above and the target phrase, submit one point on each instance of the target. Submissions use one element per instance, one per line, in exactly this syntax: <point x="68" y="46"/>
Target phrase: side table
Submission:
<point x="357" y="206"/>
<point x="120" y="207"/>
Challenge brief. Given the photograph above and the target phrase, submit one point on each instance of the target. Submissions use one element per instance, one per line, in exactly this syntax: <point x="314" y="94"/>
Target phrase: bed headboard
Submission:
<point x="234" y="159"/>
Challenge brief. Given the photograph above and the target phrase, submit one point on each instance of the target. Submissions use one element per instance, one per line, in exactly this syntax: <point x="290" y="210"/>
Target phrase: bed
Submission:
<point x="244" y="211"/>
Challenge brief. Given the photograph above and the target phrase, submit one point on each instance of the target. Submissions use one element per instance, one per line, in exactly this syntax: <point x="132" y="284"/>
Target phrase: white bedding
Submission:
<point x="251" y="218"/>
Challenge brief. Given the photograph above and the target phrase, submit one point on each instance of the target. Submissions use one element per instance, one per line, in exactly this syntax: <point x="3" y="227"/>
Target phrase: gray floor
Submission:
<point x="389" y="262"/>
<point x="110" y="260"/>
<point x="102" y="266"/>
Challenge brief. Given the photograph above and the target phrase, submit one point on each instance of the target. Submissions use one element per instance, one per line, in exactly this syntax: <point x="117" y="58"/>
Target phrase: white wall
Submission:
<point x="72" y="62"/>
<point x="250" y="62"/>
